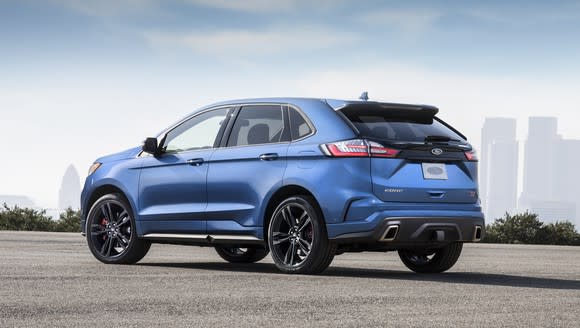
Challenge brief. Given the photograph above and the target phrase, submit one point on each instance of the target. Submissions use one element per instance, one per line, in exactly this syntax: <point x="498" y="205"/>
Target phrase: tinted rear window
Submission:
<point x="397" y="126"/>
<point x="260" y="124"/>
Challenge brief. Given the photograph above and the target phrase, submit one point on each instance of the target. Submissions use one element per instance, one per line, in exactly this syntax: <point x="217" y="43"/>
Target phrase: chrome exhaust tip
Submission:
<point x="390" y="233"/>
<point x="477" y="233"/>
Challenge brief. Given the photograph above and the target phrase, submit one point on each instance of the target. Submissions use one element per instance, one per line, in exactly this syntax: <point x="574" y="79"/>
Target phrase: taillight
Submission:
<point x="348" y="148"/>
<point x="378" y="150"/>
<point x="358" y="148"/>
<point x="471" y="155"/>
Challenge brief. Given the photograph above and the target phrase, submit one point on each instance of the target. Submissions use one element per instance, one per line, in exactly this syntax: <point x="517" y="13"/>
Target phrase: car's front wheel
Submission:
<point x="297" y="237"/>
<point x="431" y="261"/>
<point x="235" y="254"/>
<point x="111" y="234"/>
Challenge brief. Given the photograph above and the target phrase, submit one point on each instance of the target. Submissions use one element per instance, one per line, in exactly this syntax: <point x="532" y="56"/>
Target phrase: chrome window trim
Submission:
<point x="241" y="105"/>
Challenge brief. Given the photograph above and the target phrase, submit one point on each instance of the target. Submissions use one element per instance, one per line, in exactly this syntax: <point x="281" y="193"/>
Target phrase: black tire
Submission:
<point x="296" y="224"/>
<point x="436" y="261"/>
<point x="235" y="254"/>
<point x="111" y="234"/>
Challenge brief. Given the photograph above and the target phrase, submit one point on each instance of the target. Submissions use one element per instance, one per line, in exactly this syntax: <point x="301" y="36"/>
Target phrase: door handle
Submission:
<point x="269" y="157"/>
<point x="195" y="161"/>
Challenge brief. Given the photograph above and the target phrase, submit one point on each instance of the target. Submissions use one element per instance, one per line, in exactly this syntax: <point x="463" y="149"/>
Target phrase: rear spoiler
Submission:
<point x="423" y="111"/>
<point x="418" y="112"/>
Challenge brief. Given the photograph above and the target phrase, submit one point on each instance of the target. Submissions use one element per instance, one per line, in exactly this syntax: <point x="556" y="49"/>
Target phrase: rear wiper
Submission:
<point x="439" y="139"/>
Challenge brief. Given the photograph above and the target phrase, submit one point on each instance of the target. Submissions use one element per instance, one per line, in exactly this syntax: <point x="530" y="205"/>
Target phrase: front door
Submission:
<point x="172" y="186"/>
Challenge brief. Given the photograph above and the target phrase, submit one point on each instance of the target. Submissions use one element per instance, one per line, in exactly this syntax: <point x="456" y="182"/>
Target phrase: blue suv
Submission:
<point x="304" y="179"/>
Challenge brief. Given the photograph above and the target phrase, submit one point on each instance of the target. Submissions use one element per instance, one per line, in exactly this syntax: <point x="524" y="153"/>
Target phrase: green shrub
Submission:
<point x="526" y="228"/>
<point x="69" y="221"/>
<point x="27" y="219"/>
<point x="559" y="233"/>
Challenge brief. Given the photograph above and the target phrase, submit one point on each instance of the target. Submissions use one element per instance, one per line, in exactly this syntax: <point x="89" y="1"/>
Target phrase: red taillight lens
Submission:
<point x="471" y="155"/>
<point x="378" y="150"/>
<point x="358" y="148"/>
<point x="348" y="148"/>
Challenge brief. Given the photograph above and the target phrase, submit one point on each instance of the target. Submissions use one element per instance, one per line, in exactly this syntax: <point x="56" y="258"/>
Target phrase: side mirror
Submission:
<point x="150" y="146"/>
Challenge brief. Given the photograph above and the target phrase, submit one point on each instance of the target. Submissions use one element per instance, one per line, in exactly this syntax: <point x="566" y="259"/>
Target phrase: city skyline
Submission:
<point x="547" y="173"/>
<point x="82" y="79"/>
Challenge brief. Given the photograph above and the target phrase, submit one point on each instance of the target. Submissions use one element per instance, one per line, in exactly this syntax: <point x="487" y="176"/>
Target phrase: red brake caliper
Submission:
<point x="104" y="223"/>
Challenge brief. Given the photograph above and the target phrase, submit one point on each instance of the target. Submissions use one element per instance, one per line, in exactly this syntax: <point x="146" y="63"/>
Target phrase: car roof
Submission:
<point x="336" y="104"/>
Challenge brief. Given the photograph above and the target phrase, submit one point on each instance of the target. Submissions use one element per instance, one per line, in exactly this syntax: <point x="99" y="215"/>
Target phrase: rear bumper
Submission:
<point x="412" y="228"/>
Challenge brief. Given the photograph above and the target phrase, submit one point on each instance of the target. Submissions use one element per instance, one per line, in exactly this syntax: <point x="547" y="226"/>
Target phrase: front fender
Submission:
<point x="120" y="176"/>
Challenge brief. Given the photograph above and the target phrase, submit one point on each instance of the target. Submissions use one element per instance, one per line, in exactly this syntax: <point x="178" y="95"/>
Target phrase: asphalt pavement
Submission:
<point x="52" y="280"/>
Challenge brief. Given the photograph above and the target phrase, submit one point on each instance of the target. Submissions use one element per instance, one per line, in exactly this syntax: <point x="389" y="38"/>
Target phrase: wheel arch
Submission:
<point x="281" y="194"/>
<point x="107" y="189"/>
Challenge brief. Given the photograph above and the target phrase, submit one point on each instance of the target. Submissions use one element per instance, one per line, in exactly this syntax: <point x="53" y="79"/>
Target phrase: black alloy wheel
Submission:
<point x="433" y="261"/>
<point x="111" y="232"/>
<point x="297" y="237"/>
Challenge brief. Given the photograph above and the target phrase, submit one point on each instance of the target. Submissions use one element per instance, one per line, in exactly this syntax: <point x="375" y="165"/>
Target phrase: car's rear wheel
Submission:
<point x="433" y="261"/>
<point x="297" y="237"/>
<point x="111" y="234"/>
<point x="236" y="254"/>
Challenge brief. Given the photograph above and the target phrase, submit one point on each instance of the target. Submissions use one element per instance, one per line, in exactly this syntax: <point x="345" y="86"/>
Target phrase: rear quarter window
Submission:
<point x="298" y="125"/>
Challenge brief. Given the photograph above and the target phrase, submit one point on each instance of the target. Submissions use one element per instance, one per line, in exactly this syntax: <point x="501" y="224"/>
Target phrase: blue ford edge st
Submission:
<point x="304" y="179"/>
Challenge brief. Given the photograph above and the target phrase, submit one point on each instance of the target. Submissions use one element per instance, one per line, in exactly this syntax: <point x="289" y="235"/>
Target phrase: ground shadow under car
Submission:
<point x="475" y="278"/>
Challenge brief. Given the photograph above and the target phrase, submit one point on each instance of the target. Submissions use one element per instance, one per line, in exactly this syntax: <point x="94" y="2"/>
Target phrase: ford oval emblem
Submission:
<point x="436" y="151"/>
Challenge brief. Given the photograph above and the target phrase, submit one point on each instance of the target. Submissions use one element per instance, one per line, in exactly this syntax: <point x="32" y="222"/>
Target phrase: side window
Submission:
<point x="298" y="124"/>
<point x="199" y="132"/>
<point x="259" y="124"/>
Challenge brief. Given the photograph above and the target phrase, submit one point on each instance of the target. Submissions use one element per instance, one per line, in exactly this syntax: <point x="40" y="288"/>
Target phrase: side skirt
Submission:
<point x="202" y="239"/>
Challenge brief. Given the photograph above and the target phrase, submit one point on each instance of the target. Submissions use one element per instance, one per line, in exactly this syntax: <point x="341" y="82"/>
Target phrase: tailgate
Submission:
<point x="403" y="180"/>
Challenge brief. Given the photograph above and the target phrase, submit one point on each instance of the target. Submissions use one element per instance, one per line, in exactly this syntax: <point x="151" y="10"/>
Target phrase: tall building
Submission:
<point x="70" y="189"/>
<point x="566" y="180"/>
<point x="539" y="154"/>
<point x="499" y="166"/>
<point x="566" y="171"/>
<point x="550" y="172"/>
<point x="553" y="211"/>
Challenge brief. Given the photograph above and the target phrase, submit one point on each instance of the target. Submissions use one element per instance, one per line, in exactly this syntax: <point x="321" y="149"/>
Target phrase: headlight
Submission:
<point x="94" y="167"/>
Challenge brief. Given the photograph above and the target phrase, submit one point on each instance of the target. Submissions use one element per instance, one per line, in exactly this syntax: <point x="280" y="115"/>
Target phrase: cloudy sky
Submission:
<point x="80" y="79"/>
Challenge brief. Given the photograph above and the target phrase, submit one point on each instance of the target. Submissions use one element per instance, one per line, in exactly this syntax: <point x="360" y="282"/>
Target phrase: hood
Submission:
<point x="125" y="154"/>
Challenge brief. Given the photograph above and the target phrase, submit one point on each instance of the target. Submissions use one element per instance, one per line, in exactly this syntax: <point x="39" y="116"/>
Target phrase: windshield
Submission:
<point x="380" y="124"/>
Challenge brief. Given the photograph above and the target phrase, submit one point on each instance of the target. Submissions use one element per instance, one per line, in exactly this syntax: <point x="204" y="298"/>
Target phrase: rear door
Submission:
<point x="432" y="164"/>
<point x="243" y="172"/>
